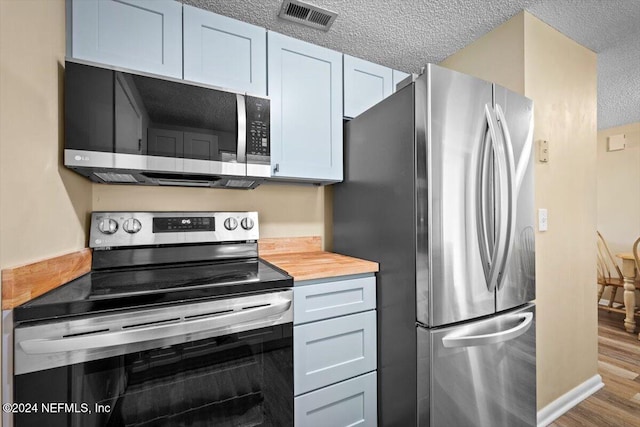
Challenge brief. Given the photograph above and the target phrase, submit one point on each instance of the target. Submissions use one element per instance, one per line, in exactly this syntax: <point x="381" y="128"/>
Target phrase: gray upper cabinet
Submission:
<point x="223" y="52"/>
<point x="144" y="35"/>
<point x="305" y="87"/>
<point x="398" y="76"/>
<point x="365" y="84"/>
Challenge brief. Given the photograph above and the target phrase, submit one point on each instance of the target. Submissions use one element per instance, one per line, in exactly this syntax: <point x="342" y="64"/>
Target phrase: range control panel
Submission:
<point x="121" y="229"/>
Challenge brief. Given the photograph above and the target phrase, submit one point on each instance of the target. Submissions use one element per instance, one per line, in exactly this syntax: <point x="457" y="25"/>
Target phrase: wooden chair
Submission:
<point x="609" y="274"/>
<point x="636" y="255"/>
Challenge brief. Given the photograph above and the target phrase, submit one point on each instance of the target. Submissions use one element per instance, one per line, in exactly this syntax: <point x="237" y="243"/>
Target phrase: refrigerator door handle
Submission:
<point x="482" y="206"/>
<point x="511" y="196"/>
<point x="460" y="339"/>
<point x="498" y="250"/>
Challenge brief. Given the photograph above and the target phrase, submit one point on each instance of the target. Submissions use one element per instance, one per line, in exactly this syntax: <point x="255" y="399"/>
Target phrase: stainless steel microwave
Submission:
<point x="124" y="127"/>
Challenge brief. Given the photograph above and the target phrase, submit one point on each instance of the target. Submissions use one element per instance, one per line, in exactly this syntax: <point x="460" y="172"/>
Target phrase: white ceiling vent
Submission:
<point x="307" y="14"/>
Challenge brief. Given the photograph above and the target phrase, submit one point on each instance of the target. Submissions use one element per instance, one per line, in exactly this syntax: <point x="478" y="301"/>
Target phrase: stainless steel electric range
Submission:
<point x="179" y="323"/>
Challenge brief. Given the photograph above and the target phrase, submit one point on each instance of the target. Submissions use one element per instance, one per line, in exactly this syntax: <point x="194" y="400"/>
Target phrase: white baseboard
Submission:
<point x="555" y="409"/>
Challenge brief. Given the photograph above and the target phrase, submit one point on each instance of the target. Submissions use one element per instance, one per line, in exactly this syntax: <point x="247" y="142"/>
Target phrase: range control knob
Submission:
<point x="230" y="224"/>
<point x="132" y="226"/>
<point x="246" y="223"/>
<point x="108" y="226"/>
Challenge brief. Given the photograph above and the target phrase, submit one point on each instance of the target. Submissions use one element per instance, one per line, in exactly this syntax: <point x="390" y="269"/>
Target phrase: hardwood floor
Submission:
<point x="618" y="403"/>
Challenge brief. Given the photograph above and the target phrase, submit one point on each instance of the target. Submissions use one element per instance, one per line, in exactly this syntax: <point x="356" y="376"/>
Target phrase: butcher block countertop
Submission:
<point x="303" y="259"/>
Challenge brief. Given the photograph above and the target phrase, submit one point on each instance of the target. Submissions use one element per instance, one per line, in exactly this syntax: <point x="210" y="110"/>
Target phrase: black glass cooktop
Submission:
<point x="118" y="289"/>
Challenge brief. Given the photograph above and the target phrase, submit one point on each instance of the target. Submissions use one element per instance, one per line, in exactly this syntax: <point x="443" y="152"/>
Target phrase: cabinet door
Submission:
<point x="398" y="76"/>
<point x="333" y="350"/>
<point x="349" y="403"/>
<point x="143" y="35"/>
<point x="305" y="87"/>
<point x="223" y="52"/>
<point x="365" y="84"/>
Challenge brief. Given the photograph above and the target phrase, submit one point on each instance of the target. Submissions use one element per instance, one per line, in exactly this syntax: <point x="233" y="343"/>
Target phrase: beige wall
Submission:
<point x="43" y="206"/>
<point x="284" y="210"/>
<point x="560" y="76"/>
<point x="496" y="57"/>
<point x="618" y="174"/>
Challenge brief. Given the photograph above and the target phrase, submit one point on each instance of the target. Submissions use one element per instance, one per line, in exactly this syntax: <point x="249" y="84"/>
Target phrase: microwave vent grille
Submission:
<point x="122" y="178"/>
<point x="307" y="14"/>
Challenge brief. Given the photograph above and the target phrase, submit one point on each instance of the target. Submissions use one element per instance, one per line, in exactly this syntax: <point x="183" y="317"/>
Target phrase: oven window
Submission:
<point x="242" y="379"/>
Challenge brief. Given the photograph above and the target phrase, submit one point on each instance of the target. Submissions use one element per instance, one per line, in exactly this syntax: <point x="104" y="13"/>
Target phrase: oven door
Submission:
<point x="227" y="362"/>
<point x="160" y="130"/>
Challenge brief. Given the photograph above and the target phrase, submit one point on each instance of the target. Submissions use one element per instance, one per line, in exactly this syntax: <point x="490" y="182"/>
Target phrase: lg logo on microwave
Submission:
<point x="83" y="158"/>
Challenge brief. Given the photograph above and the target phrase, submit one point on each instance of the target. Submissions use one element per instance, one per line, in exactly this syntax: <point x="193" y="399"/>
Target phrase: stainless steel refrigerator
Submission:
<point x="438" y="189"/>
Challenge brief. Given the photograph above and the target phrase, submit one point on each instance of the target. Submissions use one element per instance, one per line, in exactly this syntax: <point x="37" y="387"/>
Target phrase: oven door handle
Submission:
<point x="156" y="332"/>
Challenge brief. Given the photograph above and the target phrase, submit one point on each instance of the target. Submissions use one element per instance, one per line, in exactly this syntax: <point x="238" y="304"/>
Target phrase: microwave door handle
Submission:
<point x="241" y="149"/>
<point x="155" y="332"/>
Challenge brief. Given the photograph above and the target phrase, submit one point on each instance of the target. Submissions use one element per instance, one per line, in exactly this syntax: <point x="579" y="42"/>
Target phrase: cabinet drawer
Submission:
<point x="349" y="403"/>
<point x="333" y="350"/>
<point x="332" y="299"/>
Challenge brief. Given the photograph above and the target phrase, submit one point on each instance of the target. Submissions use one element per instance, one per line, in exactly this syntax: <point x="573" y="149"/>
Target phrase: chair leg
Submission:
<point x="613" y="295"/>
<point x="600" y="292"/>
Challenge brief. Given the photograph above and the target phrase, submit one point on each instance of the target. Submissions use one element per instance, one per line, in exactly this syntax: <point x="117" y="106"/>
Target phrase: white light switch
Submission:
<point x="543" y="220"/>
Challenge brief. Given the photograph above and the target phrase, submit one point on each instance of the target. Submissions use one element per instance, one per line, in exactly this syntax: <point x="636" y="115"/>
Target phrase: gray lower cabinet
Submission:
<point x="334" y="352"/>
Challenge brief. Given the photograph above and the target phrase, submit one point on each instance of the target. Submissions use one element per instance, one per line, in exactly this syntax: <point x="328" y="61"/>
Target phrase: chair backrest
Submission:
<point x="607" y="266"/>
<point x="636" y="252"/>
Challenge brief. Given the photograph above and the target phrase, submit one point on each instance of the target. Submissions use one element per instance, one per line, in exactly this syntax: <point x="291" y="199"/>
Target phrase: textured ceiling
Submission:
<point x="407" y="34"/>
<point x="612" y="30"/>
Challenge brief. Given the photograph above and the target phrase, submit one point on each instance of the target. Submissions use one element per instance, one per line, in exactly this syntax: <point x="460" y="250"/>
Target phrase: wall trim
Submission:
<point x="573" y="397"/>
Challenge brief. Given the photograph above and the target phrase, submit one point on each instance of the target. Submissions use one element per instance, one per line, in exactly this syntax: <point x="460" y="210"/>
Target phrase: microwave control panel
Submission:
<point x="258" y="112"/>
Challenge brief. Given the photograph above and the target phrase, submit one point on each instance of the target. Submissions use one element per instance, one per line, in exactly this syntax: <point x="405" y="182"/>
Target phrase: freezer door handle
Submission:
<point x="461" y="339"/>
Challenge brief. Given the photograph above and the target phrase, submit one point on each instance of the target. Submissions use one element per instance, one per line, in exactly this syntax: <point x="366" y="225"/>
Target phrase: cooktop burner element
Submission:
<point x="143" y="259"/>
